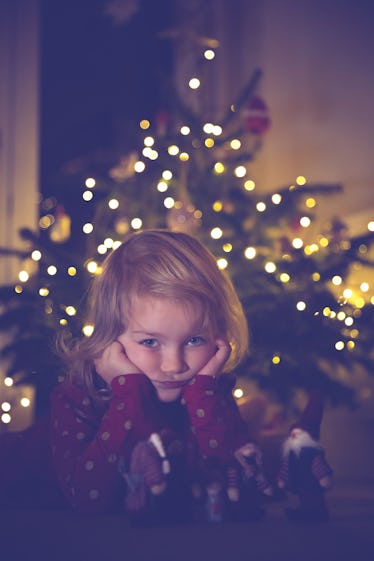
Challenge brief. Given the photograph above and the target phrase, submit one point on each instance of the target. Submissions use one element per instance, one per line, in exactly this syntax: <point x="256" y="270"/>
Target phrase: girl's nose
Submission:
<point x="173" y="362"/>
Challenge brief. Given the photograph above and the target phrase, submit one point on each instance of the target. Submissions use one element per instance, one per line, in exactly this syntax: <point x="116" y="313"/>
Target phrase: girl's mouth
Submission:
<point x="170" y="384"/>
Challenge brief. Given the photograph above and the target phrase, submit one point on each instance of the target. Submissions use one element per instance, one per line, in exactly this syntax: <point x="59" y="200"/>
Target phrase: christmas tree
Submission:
<point x="184" y="172"/>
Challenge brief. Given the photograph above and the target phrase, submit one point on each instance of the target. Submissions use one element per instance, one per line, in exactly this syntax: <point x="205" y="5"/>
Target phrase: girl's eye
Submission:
<point x="195" y="341"/>
<point x="151" y="343"/>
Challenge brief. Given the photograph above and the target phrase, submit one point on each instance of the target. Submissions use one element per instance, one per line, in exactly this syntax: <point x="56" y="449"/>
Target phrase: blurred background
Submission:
<point x="249" y="124"/>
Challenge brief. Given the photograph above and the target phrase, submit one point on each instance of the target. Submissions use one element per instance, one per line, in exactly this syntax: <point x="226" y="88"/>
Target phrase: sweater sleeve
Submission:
<point x="215" y="418"/>
<point x="87" y="449"/>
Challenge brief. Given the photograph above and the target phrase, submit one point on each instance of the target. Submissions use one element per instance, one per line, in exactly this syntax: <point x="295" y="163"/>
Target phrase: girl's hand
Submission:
<point x="114" y="362"/>
<point x="215" y="365"/>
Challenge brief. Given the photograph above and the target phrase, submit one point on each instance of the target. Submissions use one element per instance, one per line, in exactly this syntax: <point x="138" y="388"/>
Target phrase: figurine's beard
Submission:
<point x="304" y="440"/>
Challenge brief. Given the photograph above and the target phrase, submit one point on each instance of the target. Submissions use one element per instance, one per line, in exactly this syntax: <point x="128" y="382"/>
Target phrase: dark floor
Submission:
<point x="56" y="535"/>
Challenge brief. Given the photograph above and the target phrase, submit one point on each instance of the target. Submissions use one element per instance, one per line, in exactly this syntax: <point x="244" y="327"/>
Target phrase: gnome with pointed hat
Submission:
<point x="304" y="469"/>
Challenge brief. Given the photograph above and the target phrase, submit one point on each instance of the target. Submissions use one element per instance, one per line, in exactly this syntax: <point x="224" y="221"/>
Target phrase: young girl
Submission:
<point x="145" y="418"/>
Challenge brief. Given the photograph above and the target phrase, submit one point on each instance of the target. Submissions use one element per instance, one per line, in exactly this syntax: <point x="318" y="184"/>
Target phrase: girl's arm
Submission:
<point x="87" y="449"/>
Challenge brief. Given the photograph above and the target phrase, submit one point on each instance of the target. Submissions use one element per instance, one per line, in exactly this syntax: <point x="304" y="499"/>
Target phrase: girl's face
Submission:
<point x="165" y="340"/>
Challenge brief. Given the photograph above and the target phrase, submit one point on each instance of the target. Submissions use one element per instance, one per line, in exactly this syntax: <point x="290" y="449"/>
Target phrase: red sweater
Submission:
<point x="87" y="444"/>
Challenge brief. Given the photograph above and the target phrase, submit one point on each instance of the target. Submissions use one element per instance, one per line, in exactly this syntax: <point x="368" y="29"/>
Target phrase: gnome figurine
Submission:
<point x="304" y="469"/>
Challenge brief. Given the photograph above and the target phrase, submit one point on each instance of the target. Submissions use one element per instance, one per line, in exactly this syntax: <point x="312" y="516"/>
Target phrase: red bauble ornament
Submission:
<point x="256" y="116"/>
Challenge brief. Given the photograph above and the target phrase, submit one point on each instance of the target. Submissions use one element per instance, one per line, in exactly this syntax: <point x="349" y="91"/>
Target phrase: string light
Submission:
<point x="36" y="255"/>
<point x="250" y="252"/>
<point x="276" y="198"/>
<point x="216" y="233"/>
<point x="113" y="204"/>
<point x="136" y="223"/>
<point x="222" y="263"/>
<point x="144" y="124"/>
<point x="23" y="276"/>
<point x="167" y="175"/>
<point x="238" y="393"/>
<point x="209" y="54"/>
<point x="52" y="270"/>
<point x="261" y="206"/>
<point x="162" y="186"/>
<point x="139" y="166"/>
<point x="90" y="183"/>
<point x="87" y="196"/>
<point x="194" y="83"/>
<point x="87" y="228"/>
<point x="249" y="185"/>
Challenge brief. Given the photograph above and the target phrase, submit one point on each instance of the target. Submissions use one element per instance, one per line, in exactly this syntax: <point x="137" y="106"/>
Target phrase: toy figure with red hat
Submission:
<point x="304" y="469"/>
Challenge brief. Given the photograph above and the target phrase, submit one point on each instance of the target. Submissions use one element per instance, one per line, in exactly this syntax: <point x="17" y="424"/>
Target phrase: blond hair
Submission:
<point x="157" y="263"/>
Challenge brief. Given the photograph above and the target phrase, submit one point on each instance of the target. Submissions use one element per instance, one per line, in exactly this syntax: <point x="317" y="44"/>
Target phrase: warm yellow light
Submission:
<point x="217" y="130"/>
<point x="276" y="198"/>
<point x="222" y="263"/>
<point x="351" y="345"/>
<point x="216" y="233"/>
<point x="276" y="359"/>
<point x="249" y="185"/>
<point x="316" y="276"/>
<point x="63" y="322"/>
<point x="217" y="206"/>
<point x="297" y="243"/>
<point x="227" y="247"/>
<point x="72" y="271"/>
<point x="18" y="289"/>
<point x="261" y="206"/>
<point x="209" y="54"/>
<point x="92" y="267"/>
<point x="364" y="287"/>
<point x="169" y="202"/>
<point x="301" y="306"/>
<point x="90" y="183"/>
<point x="6" y="406"/>
<point x="270" y="267"/>
<point x="235" y="144"/>
<point x="185" y="130"/>
<point x="198" y="214"/>
<point x="284" y="277"/>
<point x="300" y="180"/>
<point x="25" y="402"/>
<point x="219" y="167"/>
<point x="162" y="186"/>
<point x="354" y="333"/>
<point x="46" y="221"/>
<point x="139" y="166"/>
<point x="310" y="202"/>
<point x="208" y="128"/>
<point x="324" y="242"/>
<point x="240" y="171"/>
<point x="349" y="321"/>
<point x="194" y="83"/>
<point x="6" y="418"/>
<point x="238" y="393"/>
<point x="88" y="329"/>
<point x="149" y="141"/>
<point x="23" y="276"/>
<point x="336" y="280"/>
<point x="8" y="382"/>
<point x="113" y="204"/>
<point x="136" y="223"/>
<point x="70" y="310"/>
<point x="167" y="174"/>
<point x="339" y="345"/>
<point x="347" y="293"/>
<point x="52" y="270"/>
<point x="36" y="255"/>
<point x="371" y="226"/>
<point x="209" y="142"/>
<point x="102" y="249"/>
<point x="108" y="242"/>
<point x="184" y="157"/>
<point x="144" y="124"/>
<point x="173" y="150"/>
<point x="305" y="221"/>
<point x="87" y="196"/>
<point x="87" y="228"/>
<point x="250" y="252"/>
<point x="43" y="292"/>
